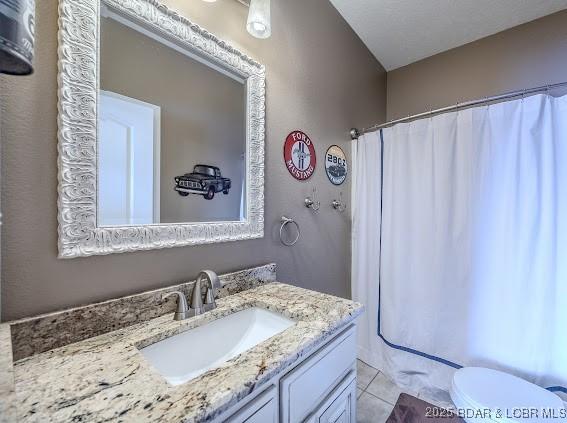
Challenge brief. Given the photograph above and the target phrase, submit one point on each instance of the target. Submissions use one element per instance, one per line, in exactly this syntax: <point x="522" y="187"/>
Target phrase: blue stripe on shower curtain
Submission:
<point x="388" y="343"/>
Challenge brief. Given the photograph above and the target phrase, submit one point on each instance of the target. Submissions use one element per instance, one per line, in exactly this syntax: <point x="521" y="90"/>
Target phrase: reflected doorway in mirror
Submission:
<point x="129" y="146"/>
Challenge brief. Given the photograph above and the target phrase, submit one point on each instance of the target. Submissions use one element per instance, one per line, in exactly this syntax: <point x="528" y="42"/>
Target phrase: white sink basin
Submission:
<point x="189" y="354"/>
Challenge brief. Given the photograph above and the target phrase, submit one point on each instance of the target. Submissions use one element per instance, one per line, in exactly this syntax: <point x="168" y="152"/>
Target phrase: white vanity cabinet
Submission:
<point x="262" y="408"/>
<point x="340" y="407"/>
<point x="321" y="388"/>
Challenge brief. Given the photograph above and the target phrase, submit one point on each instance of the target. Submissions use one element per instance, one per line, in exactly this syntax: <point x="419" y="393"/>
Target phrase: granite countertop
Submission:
<point x="106" y="378"/>
<point x="7" y="394"/>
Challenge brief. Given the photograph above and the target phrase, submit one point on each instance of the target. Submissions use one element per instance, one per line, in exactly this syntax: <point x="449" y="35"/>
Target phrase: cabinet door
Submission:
<point x="343" y="409"/>
<point x="340" y="405"/>
<point x="266" y="414"/>
<point x="311" y="382"/>
<point x="263" y="409"/>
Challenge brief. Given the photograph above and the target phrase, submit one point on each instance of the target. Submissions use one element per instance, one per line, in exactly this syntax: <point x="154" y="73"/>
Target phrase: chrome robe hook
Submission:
<point x="339" y="204"/>
<point x="312" y="203"/>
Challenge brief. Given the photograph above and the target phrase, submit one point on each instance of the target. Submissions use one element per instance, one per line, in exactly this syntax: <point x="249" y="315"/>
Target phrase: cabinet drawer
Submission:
<point x="305" y="387"/>
<point x="263" y="409"/>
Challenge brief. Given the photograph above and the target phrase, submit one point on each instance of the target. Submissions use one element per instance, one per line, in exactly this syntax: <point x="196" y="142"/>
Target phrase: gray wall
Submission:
<point x="529" y="55"/>
<point x="320" y="78"/>
<point x="203" y="116"/>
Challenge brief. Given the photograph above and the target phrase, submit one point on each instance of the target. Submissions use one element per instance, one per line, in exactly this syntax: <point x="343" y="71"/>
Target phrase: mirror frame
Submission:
<point x="78" y="78"/>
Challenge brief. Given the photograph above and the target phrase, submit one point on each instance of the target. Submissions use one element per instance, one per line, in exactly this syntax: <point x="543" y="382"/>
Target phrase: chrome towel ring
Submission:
<point x="285" y="221"/>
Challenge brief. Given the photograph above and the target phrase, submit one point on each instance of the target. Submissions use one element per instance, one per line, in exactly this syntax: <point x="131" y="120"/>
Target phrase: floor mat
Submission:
<point x="409" y="409"/>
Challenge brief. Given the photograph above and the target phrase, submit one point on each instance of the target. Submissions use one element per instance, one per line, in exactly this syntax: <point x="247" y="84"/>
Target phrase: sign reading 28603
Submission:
<point x="336" y="165"/>
<point x="299" y="155"/>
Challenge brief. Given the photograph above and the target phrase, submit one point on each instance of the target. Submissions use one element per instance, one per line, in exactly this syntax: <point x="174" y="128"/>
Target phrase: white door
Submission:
<point x="128" y="161"/>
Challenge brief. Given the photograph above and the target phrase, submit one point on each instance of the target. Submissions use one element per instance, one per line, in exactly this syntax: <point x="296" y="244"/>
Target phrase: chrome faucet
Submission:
<point x="197" y="305"/>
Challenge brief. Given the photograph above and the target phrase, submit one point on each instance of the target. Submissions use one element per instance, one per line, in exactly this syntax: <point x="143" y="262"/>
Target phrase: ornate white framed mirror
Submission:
<point x="161" y="131"/>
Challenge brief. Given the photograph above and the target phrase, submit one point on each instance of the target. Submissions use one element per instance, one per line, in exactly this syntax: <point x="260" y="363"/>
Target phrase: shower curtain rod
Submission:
<point x="355" y="133"/>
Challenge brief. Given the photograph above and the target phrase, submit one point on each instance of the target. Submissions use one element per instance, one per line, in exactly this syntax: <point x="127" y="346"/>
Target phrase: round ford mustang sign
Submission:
<point x="299" y="155"/>
<point x="336" y="165"/>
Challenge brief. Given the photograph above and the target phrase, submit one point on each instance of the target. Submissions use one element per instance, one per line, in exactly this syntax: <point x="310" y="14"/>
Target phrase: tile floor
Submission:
<point x="376" y="394"/>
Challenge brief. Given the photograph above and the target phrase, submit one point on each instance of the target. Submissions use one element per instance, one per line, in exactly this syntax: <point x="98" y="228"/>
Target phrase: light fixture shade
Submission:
<point x="259" y="22"/>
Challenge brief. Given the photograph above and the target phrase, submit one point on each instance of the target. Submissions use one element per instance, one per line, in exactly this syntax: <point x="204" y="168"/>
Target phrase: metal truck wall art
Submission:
<point x="205" y="180"/>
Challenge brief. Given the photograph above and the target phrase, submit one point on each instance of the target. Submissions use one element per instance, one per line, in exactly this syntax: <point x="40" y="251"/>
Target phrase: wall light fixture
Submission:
<point x="259" y="20"/>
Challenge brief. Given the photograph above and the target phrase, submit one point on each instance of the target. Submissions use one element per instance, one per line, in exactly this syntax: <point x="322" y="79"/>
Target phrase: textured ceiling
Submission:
<point x="400" y="32"/>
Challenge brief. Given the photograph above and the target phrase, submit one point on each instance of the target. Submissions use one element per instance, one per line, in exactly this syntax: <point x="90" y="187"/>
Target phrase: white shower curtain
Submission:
<point x="460" y="245"/>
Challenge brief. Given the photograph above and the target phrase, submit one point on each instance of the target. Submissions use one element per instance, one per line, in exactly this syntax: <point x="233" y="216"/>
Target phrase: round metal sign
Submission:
<point x="336" y="165"/>
<point x="16" y="36"/>
<point x="299" y="155"/>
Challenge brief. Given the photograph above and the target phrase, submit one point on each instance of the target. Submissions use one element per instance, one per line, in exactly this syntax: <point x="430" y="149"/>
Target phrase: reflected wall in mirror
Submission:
<point x="161" y="131"/>
<point x="172" y="132"/>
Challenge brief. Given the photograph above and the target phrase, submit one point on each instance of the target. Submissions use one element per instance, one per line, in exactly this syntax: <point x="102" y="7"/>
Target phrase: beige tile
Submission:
<point x="370" y="409"/>
<point x="359" y="392"/>
<point x="384" y="388"/>
<point x="364" y="374"/>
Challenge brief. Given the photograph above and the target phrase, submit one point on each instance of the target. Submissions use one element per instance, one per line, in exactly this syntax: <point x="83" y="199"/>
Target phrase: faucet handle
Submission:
<point x="182" y="308"/>
<point x="197" y="298"/>
<point x="210" y="297"/>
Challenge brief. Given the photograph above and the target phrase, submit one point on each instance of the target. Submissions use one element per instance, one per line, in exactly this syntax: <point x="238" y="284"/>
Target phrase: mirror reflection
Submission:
<point x="172" y="132"/>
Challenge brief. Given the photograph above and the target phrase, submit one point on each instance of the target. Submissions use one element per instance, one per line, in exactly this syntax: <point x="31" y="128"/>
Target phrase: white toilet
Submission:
<point x="479" y="393"/>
